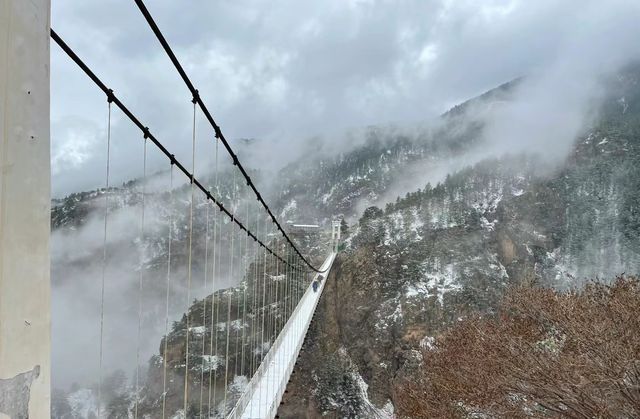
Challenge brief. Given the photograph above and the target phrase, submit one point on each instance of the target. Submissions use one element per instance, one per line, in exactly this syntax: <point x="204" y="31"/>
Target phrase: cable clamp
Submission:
<point x="110" y="96"/>
<point x="145" y="133"/>
<point x="196" y="97"/>
<point x="172" y="158"/>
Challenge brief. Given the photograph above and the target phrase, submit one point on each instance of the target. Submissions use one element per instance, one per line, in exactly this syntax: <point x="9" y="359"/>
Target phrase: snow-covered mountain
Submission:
<point x="438" y="228"/>
<point x="444" y="250"/>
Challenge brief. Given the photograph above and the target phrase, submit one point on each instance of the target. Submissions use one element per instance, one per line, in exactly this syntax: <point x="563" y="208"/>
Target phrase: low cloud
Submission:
<point x="291" y="72"/>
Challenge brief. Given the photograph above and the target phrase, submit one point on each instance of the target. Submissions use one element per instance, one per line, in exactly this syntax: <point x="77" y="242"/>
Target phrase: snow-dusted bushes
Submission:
<point x="545" y="354"/>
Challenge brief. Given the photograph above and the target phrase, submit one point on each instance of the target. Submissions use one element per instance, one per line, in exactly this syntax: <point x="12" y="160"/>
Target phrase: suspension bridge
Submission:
<point x="215" y="374"/>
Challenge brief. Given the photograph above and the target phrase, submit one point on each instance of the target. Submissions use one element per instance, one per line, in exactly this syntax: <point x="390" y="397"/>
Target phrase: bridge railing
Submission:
<point x="295" y="321"/>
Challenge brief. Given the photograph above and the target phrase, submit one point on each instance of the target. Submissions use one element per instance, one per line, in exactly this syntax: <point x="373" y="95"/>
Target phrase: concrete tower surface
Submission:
<point x="25" y="325"/>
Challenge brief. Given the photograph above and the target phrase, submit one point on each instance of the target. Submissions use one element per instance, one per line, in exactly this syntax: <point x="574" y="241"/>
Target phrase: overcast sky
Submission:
<point x="283" y="71"/>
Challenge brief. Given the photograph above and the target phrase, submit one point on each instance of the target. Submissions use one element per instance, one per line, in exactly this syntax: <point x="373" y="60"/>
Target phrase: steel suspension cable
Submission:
<point x="166" y="320"/>
<point x="276" y="286"/>
<point x="104" y="256"/>
<point x="301" y="290"/>
<point x="237" y="364"/>
<point x="229" y="294"/>
<point x="264" y="293"/>
<point x="218" y="132"/>
<point x="111" y="97"/>
<point x="268" y="307"/>
<point x="204" y="304"/>
<point x="289" y="304"/>
<point x="219" y="263"/>
<point x="140" y="277"/>
<point x="253" y="336"/>
<point x="295" y="293"/>
<point x="290" y="299"/>
<point x="294" y="298"/>
<point x="285" y="303"/>
<point x="282" y="287"/>
<point x="214" y="329"/>
<point x="256" y="287"/>
<point x="189" y="265"/>
<point x="277" y="295"/>
<point x="292" y="287"/>
<point x="272" y="287"/>
<point x="244" y="295"/>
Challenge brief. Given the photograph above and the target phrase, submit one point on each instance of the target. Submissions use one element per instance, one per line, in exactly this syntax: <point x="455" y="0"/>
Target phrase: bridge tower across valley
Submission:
<point x="335" y="234"/>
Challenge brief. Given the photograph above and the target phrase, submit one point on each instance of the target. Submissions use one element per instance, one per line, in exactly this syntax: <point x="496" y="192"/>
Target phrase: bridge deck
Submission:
<point x="263" y="396"/>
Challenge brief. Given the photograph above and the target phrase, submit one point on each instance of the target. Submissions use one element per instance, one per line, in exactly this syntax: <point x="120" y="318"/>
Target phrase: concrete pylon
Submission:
<point x="335" y="234"/>
<point x="25" y="205"/>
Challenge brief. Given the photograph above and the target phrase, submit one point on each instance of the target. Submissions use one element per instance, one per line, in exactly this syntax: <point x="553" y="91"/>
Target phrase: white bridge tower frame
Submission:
<point x="25" y="209"/>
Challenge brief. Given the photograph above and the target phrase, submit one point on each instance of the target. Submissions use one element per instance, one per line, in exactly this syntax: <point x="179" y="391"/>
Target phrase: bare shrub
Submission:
<point x="545" y="354"/>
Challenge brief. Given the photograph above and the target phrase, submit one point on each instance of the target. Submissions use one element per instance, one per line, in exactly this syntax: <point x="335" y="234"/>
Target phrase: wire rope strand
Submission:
<point x="288" y="317"/>
<point x="215" y="377"/>
<point x="280" y="305"/>
<point x="189" y="267"/>
<point x="237" y="364"/>
<point x="274" y="308"/>
<point x="295" y="303"/>
<point x="270" y="320"/>
<point x="289" y="294"/>
<point x="256" y="285"/>
<point x="166" y="320"/>
<point x="267" y="314"/>
<point x="285" y="302"/>
<point x="104" y="258"/>
<point x="204" y="304"/>
<point x="300" y="291"/>
<point x="140" y="277"/>
<point x="295" y="286"/>
<point x="229" y="295"/>
<point x="292" y="275"/>
<point x="244" y="294"/>
<point x="213" y="366"/>
<point x="219" y="269"/>
<point x="262" y="330"/>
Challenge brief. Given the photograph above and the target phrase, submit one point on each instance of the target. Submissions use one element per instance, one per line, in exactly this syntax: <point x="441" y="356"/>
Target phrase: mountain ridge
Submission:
<point x="448" y="247"/>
